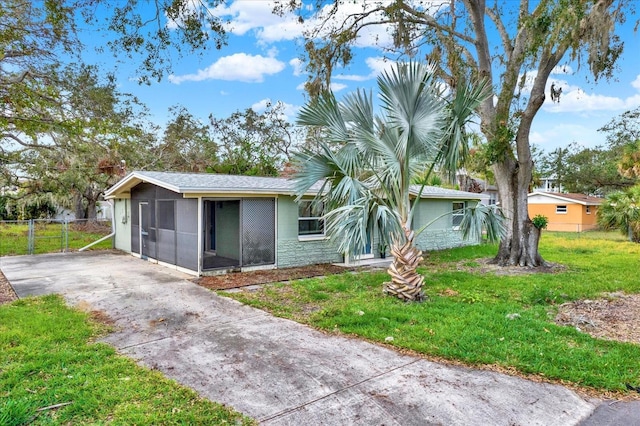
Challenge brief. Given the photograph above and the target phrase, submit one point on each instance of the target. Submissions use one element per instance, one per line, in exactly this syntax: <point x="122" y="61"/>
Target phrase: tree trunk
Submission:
<point x="81" y="212"/>
<point x="406" y="283"/>
<point x="92" y="213"/>
<point x="519" y="246"/>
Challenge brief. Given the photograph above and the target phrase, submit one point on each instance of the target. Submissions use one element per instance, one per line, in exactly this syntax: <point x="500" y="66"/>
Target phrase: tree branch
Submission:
<point x="506" y="41"/>
<point x="430" y="21"/>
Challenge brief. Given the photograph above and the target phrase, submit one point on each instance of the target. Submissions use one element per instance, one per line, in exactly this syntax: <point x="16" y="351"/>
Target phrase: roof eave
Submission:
<point x="133" y="179"/>
<point x="565" y="199"/>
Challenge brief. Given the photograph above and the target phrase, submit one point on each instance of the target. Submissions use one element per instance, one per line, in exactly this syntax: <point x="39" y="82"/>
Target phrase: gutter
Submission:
<point x="113" y="228"/>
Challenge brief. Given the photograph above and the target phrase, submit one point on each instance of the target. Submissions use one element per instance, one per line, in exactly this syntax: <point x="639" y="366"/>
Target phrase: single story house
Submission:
<point x="207" y="223"/>
<point x="566" y="212"/>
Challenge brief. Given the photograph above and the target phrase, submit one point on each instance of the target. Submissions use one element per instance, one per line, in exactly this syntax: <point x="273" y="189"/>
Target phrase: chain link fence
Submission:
<point x="18" y="237"/>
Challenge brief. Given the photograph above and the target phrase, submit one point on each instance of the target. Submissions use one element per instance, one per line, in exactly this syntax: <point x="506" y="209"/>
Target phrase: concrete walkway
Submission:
<point x="278" y="371"/>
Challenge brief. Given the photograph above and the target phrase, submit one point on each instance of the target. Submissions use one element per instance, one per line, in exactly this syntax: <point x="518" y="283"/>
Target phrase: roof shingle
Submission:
<point x="239" y="184"/>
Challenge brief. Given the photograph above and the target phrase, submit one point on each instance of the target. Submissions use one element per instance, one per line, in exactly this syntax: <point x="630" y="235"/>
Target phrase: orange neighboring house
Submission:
<point x="566" y="212"/>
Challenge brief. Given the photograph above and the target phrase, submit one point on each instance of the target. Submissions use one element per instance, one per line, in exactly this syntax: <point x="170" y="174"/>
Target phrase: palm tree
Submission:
<point x="621" y="210"/>
<point x="368" y="163"/>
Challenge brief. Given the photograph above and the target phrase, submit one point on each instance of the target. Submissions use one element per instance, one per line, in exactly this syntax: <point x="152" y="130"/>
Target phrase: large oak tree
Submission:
<point x="515" y="46"/>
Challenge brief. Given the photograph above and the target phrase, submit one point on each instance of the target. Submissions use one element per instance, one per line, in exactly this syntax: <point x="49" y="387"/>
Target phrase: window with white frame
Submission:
<point x="561" y="209"/>
<point x="588" y="209"/>
<point x="458" y="214"/>
<point x="310" y="218"/>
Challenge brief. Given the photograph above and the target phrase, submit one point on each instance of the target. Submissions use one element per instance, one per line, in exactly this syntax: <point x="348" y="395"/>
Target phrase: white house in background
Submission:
<point x="103" y="212"/>
<point x="549" y="184"/>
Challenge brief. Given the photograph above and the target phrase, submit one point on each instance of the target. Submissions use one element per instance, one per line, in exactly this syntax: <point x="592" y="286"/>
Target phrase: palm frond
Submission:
<point x="352" y="224"/>
<point x="324" y="112"/>
<point x="455" y="145"/>
<point x="409" y="98"/>
<point x="482" y="217"/>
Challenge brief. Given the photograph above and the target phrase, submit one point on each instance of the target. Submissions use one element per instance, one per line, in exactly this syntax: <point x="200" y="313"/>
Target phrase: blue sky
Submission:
<point x="261" y="64"/>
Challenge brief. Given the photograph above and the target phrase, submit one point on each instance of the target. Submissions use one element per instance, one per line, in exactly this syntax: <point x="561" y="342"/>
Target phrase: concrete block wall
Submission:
<point x="293" y="252"/>
<point x="442" y="239"/>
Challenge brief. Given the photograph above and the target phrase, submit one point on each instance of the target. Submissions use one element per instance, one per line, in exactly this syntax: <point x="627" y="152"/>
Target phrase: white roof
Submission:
<point x="539" y="197"/>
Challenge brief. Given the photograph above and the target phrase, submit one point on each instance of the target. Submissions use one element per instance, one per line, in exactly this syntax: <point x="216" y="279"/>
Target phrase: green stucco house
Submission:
<point x="207" y="223"/>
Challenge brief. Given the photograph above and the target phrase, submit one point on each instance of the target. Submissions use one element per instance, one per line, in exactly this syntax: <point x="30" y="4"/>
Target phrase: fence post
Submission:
<point x="31" y="237"/>
<point x="66" y="235"/>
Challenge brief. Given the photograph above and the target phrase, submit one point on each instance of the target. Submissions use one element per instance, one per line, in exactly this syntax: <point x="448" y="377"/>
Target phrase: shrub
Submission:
<point x="540" y="221"/>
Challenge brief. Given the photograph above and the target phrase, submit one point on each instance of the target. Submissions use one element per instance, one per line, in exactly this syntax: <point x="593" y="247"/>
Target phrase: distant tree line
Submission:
<point x="67" y="133"/>
<point x="600" y="170"/>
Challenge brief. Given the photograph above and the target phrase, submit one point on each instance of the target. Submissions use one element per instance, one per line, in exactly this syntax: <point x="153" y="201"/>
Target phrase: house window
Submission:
<point x="588" y="209"/>
<point x="561" y="209"/>
<point x="310" y="218"/>
<point x="458" y="214"/>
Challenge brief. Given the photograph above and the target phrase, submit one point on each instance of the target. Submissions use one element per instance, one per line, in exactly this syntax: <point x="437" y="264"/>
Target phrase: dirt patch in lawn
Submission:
<point x="615" y="317"/>
<point x="244" y="279"/>
<point x="7" y="294"/>
<point x="484" y="266"/>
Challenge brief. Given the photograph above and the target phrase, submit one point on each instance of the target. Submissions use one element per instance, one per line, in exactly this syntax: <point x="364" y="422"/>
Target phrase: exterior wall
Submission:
<point x="575" y="220"/>
<point x="295" y="251"/>
<point x="440" y="234"/>
<point x="174" y="242"/>
<point x="590" y="221"/>
<point x="122" y="212"/>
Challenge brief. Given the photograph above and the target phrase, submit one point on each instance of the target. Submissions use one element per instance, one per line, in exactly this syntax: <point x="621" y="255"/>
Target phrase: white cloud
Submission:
<point x="289" y="111"/>
<point x="562" y="69"/>
<point x="377" y="36"/>
<point x="562" y="134"/>
<point x="336" y="87"/>
<point x="236" y="67"/>
<point x="576" y="100"/>
<point x="258" y="16"/>
<point x="261" y="105"/>
<point x="301" y="86"/>
<point x="376" y="64"/>
<point x="298" y="66"/>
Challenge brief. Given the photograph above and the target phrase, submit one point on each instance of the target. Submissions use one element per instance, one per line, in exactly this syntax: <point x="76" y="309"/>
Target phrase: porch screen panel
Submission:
<point x="186" y="220"/>
<point x="258" y="231"/>
<point x="166" y="242"/>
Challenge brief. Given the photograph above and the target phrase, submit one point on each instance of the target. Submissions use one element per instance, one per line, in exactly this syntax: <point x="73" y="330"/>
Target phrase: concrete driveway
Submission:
<point x="275" y="370"/>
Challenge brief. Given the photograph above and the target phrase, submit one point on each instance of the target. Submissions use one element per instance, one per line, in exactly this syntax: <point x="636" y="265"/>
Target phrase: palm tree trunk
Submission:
<point x="406" y="283"/>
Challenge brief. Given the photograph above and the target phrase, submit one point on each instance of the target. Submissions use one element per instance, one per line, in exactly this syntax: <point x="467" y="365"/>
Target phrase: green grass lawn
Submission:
<point x="47" y="357"/>
<point x="483" y="318"/>
<point x="50" y="237"/>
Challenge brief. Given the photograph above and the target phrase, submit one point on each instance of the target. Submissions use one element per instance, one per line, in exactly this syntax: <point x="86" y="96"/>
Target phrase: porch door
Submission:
<point x="210" y="226"/>
<point x="258" y="231"/>
<point x="144" y="229"/>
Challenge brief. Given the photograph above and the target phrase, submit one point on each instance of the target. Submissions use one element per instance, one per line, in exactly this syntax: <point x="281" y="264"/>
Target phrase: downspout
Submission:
<point x="113" y="228"/>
